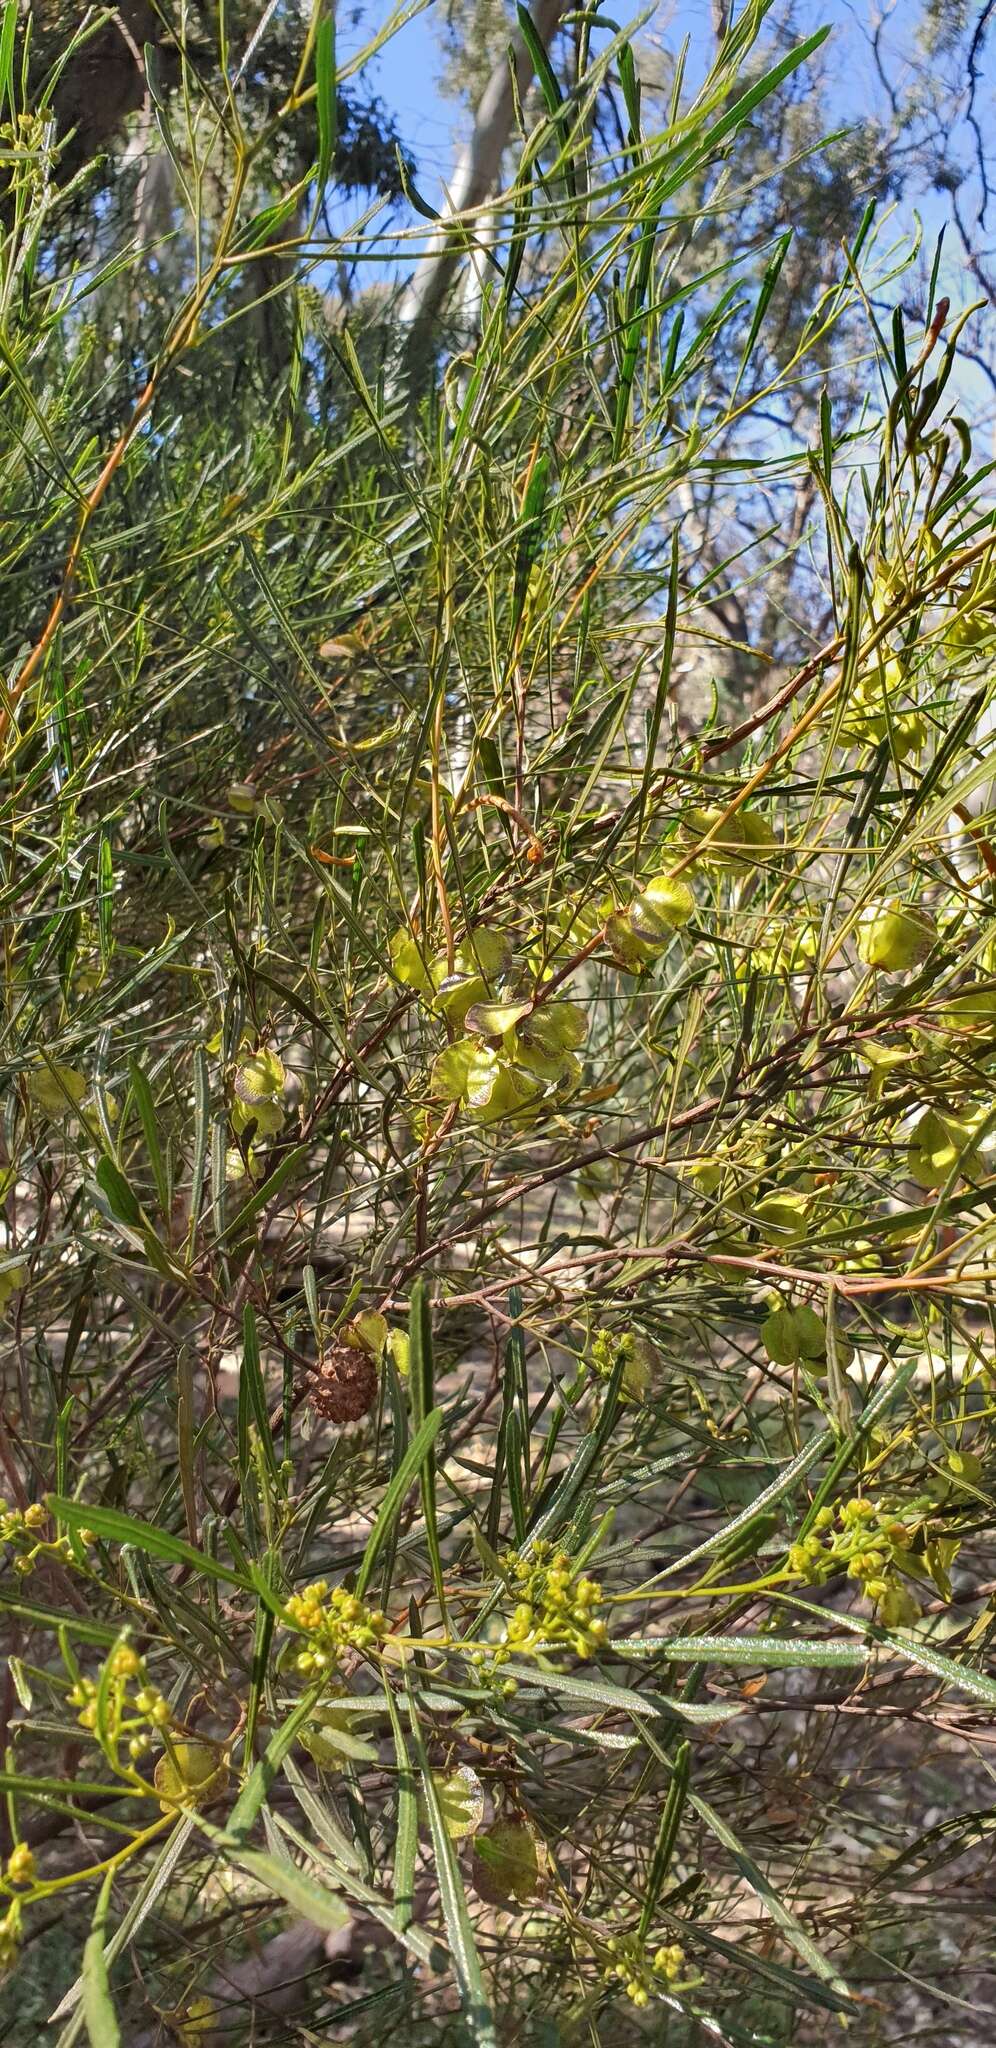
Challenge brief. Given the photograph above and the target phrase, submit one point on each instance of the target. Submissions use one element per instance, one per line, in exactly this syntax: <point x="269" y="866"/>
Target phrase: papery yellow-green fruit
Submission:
<point x="260" y="1079"/>
<point x="940" y="1144"/>
<point x="554" y="1027"/>
<point x="511" y="1093"/>
<point x="488" y="1086"/>
<point x="486" y="952"/>
<point x="198" y="1775"/>
<point x="367" y="1332"/>
<point x="407" y="963"/>
<point x="882" y="1060"/>
<point x="973" y="1010"/>
<point x="793" y="1336"/>
<point x="898" y="1607"/>
<point x="628" y="949"/>
<point x="662" y="907"/>
<point x="876" y="712"/>
<point x="461" y="1801"/>
<point x="12" y="1278"/>
<point x="906" y="731"/>
<point x="555" y="1067"/>
<point x="479" y="960"/>
<point x="720" y="1252"/>
<point x="267" y="1116"/>
<point x="456" y="993"/>
<point x="506" y="1866"/>
<point x="639" y="1371"/>
<point x="649" y="926"/>
<point x="243" y="798"/>
<point x="786" y="952"/>
<point x="706" y="1174"/>
<point x="331" y="1739"/>
<point x="452" y="1069"/>
<point x="544" y="1042"/>
<point x="56" y="1089"/>
<point x="199" y="2018"/>
<point x="399" y="1345"/>
<point x="972" y="629"/>
<point x="894" y="937"/>
<point x="965" y="1467"/>
<point x="781" y="1217"/>
<point x="493" y="1019"/>
<point x="672" y="899"/>
<point x="735" y="840"/>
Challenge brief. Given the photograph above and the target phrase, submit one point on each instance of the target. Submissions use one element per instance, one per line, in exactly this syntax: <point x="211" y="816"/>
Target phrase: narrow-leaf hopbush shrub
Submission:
<point x="497" y="1119"/>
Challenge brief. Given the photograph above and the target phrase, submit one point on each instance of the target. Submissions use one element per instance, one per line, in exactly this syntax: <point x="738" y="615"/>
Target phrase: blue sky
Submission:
<point x="406" y="74"/>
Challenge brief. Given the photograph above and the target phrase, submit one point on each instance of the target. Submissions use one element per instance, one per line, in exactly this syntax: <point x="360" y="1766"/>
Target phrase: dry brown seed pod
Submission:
<point x="344" y="1384"/>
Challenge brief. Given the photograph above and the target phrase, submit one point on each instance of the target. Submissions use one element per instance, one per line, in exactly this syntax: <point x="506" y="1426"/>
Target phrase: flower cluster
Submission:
<point x="20" y="1865"/>
<point x="10" y="1938"/>
<point x="871" y="1546"/>
<point x="132" y="1706"/>
<point x="553" y="1605"/>
<point x="334" y="1621"/>
<point x="21" y="1530"/>
<point x="20" y="1870"/>
<point x="638" y="1361"/>
<point x="640" y="1973"/>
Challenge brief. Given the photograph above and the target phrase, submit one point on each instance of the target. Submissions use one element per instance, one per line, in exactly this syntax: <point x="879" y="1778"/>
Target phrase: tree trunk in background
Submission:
<point x="105" y="81"/>
<point x="473" y="181"/>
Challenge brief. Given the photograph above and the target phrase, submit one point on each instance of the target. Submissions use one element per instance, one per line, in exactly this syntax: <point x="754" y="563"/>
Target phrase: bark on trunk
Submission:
<point x="473" y="182"/>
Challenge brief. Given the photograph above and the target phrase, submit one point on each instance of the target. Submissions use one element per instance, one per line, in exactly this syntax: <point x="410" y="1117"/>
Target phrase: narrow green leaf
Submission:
<point x="762" y="89"/>
<point x="264" y="1194"/>
<point x="105" y="897"/>
<point x="421" y="1367"/>
<point x="149" y="1891"/>
<point x="421" y="1945"/>
<point x="322" y="1908"/>
<point x="667" y="1834"/>
<point x="263" y="1773"/>
<point x="630" y="90"/>
<point x="795" y="1934"/>
<point x="326" y="1827"/>
<point x="252" y="1392"/>
<point x="760" y="1652"/>
<point x="561" y="1501"/>
<point x="406" y="1825"/>
<point x="325" y="98"/>
<point x="279" y="1875"/>
<point x="552" y="96"/>
<point x="779" y="1487"/>
<point x="592" y="1693"/>
<point x="150" y="1130"/>
<point x="8" y="31"/>
<point x="764" y="297"/>
<point x="390" y="1507"/>
<point x="463" y="1947"/>
<point x="202" y="1130"/>
<point x="399" y="1445"/>
<point x="121" y="1197"/>
<point x="86" y="1788"/>
<point x="42" y="1617"/>
<point x="114" y="1527"/>
<point x="98" y="2008"/>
